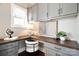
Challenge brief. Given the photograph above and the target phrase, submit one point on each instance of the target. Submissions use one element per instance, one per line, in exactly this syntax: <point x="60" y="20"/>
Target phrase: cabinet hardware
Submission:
<point x="57" y="54"/>
<point x="57" y="48"/>
<point x="47" y="14"/>
<point x="61" y="10"/>
<point x="58" y="11"/>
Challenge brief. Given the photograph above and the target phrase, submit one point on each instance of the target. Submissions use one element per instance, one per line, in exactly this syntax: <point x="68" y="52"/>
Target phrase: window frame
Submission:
<point x="13" y="16"/>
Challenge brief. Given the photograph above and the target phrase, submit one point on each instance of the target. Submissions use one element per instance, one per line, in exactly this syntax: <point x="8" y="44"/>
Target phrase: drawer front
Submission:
<point x="66" y="51"/>
<point x="8" y="45"/>
<point x="14" y="54"/>
<point x="53" y="46"/>
<point x="60" y="54"/>
<point x="11" y="51"/>
<point x="50" y="52"/>
<point x="70" y="51"/>
<point x="13" y="43"/>
<point x="21" y="44"/>
<point x="6" y="53"/>
<point x="3" y="53"/>
<point x="41" y="47"/>
<point x="2" y="47"/>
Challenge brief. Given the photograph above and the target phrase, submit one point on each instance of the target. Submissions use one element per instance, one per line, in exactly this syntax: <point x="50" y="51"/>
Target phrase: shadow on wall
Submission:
<point x="70" y="36"/>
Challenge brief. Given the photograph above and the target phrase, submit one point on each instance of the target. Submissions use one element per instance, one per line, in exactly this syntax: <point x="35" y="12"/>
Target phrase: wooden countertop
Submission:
<point x="67" y="43"/>
<point x="2" y="41"/>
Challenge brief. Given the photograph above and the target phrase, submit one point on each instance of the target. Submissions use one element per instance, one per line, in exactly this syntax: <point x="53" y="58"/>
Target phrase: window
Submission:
<point x="19" y="16"/>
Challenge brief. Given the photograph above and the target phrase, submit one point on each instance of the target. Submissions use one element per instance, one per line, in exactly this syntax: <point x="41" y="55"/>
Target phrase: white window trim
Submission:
<point x="12" y="17"/>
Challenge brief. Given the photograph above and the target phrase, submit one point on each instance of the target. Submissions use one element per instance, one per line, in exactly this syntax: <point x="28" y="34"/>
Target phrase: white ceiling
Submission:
<point x="26" y="5"/>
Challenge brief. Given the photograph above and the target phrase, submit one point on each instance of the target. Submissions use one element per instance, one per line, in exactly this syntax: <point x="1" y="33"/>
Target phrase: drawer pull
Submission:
<point x="57" y="48"/>
<point x="58" y="54"/>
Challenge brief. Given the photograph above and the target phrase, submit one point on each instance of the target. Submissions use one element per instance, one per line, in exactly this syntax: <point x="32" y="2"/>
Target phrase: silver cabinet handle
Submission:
<point x="58" y="48"/>
<point x="57" y="54"/>
<point x="59" y="11"/>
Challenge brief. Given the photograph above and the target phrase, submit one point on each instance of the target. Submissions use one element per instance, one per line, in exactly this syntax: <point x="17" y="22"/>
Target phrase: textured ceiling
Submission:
<point x="26" y="5"/>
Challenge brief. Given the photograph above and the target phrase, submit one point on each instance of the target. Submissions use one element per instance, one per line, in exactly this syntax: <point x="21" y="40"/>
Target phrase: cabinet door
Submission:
<point x="71" y="52"/>
<point x="21" y="46"/>
<point x="50" y="52"/>
<point x="61" y="54"/>
<point x="78" y="7"/>
<point x="42" y="28"/>
<point x="53" y="10"/>
<point x="13" y="51"/>
<point x="8" y="49"/>
<point x="54" y="50"/>
<point x="34" y="13"/>
<point x="51" y="29"/>
<point x="3" y="52"/>
<point x="29" y="14"/>
<point x="42" y="12"/>
<point x="68" y="8"/>
<point x="42" y="47"/>
<point x="8" y="45"/>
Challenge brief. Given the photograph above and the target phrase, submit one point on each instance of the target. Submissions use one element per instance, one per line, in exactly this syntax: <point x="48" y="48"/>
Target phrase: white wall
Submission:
<point x="77" y="28"/>
<point x="5" y="20"/>
<point x="71" y="26"/>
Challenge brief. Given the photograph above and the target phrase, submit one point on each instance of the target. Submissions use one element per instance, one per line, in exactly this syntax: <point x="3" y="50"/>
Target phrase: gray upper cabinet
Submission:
<point x="42" y="12"/>
<point x="78" y="7"/>
<point x="34" y="13"/>
<point x="53" y="10"/>
<point x="56" y="9"/>
<point x="68" y="8"/>
<point x="47" y="11"/>
<point x="29" y="14"/>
